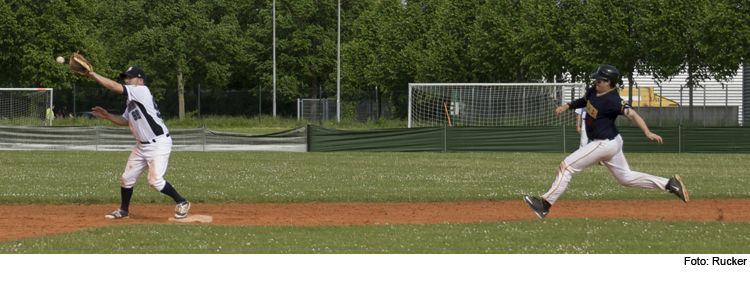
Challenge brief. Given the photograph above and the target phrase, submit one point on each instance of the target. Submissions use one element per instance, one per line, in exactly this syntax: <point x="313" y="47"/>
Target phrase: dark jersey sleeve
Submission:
<point x="578" y="103"/>
<point x="624" y="105"/>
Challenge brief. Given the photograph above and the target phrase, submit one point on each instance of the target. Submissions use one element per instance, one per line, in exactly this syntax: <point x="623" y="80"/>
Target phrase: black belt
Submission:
<point x="152" y="140"/>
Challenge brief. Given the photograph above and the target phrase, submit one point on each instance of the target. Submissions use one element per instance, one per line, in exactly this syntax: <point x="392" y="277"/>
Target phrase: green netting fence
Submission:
<point x="563" y="139"/>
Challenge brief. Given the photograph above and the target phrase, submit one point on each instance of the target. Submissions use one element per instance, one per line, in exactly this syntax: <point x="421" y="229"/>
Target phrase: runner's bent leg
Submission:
<point x="620" y="169"/>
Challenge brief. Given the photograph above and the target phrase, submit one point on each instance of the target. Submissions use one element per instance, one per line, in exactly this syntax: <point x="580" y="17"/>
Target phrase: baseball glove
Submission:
<point x="79" y="64"/>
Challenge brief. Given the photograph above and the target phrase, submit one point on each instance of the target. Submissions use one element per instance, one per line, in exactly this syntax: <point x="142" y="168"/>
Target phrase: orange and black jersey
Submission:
<point x="602" y="111"/>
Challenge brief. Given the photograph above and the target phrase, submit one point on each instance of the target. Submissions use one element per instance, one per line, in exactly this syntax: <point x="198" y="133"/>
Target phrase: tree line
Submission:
<point x="228" y="44"/>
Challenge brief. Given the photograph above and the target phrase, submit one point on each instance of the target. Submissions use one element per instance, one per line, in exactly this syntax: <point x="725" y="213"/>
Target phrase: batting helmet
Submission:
<point x="606" y="72"/>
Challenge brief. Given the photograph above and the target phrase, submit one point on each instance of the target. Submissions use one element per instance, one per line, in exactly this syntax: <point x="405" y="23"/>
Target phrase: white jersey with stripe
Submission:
<point x="142" y="113"/>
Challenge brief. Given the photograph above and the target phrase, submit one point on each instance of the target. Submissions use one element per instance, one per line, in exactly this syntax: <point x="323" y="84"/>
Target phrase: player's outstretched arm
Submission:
<point x="116" y="119"/>
<point x="578" y="103"/>
<point x="106" y="82"/>
<point x="634" y="117"/>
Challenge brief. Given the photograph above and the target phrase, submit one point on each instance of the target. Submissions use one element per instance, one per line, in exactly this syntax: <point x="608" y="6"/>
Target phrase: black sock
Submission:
<point x="126" y="195"/>
<point x="170" y="191"/>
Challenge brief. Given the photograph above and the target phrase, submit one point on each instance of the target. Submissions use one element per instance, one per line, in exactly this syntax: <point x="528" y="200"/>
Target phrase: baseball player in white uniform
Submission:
<point x="603" y="105"/>
<point x="154" y="145"/>
<point x="581" y="126"/>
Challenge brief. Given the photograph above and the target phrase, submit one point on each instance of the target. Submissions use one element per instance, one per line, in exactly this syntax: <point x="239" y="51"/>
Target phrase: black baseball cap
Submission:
<point x="134" y="72"/>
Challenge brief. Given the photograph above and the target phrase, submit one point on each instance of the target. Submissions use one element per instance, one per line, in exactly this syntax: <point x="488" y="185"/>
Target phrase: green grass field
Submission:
<point x="82" y="177"/>
<point x="568" y="236"/>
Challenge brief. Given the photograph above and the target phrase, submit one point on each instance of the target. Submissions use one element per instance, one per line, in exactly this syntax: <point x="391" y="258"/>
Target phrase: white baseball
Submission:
<point x="60" y="60"/>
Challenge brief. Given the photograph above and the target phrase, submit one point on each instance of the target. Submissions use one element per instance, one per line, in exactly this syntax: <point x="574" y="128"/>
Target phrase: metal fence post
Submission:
<point x="726" y="107"/>
<point x="640" y="98"/>
<point x="660" y="99"/>
<point x="681" y="86"/>
<point x="199" y="101"/>
<point x="473" y="108"/>
<point x="679" y="138"/>
<point x="377" y="102"/>
<point x="523" y="106"/>
<point x="51" y="112"/>
<point x="12" y="121"/>
<point x="260" y="92"/>
<point x="445" y="138"/>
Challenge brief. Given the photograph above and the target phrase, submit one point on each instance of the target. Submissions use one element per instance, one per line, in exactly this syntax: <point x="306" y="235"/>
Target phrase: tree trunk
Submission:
<point x="181" y="93"/>
<point x="519" y="75"/>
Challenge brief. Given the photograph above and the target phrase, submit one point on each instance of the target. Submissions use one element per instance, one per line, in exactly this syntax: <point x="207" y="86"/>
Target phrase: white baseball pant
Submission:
<point x="154" y="157"/>
<point x="610" y="153"/>
<point x="584" y="138"/>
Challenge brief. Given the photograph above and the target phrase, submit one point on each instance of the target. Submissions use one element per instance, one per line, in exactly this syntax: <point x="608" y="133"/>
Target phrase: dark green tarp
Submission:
<point x="716" y="140"/>
<point x="524" y="139"/>
<point x="379" y="140"/>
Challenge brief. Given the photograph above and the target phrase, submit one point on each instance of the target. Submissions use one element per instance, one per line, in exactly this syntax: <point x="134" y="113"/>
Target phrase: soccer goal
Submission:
<point x="490" y="104"/>
<point x="26" y="106"/>
<point x="316" y="109"/>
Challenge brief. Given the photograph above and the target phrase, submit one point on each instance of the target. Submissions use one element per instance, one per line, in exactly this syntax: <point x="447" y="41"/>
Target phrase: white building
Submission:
<point x="709" y="93"/>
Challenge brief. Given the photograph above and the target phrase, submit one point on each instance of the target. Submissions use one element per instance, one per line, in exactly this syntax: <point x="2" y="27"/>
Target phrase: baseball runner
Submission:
<point x="603" y="105"/>
<point x="581" y="127"/>
<point x="154" y="143"/>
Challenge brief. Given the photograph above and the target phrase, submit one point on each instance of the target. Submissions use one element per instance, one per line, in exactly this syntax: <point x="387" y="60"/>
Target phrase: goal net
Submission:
<point x="26" y="106"/>
<point x="490" y="104"/>
<point x="316" y="109"/>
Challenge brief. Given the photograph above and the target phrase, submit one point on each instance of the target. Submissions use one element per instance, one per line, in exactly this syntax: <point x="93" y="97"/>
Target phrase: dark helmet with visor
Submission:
<point x="606" y="72"/>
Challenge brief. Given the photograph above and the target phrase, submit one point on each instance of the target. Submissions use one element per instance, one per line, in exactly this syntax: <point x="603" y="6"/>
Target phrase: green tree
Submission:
<point x="175" y="40"/>
<point x="253" y="59"/>
<point x="381" y="50"/>
<point x="34" y="33"/>
<point x="496" y="42"/>
<point x="385" y="48"/>
<point x="446" y="41"/>
<point x="726" y="40"/>
<point x="696" y="37"/>
<point x="306" y="45"/>
<point x="544" y="32"/>
<point x="608" y="33"/>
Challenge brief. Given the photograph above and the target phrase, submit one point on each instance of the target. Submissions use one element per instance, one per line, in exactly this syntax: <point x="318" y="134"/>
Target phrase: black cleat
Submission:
<point x="675" y="186"/>
<point x="540" y="207"/>
<point x="181" y="210"/>
<point x="117" y="214"/>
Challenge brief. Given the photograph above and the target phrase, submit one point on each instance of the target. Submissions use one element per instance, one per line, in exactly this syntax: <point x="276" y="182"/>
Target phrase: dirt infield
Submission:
<point x="21" y="221"/>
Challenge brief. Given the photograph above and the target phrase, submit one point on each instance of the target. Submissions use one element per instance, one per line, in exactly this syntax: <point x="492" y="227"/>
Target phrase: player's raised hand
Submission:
<point x="100" y="112"/>
<point x="653" y="136"/>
